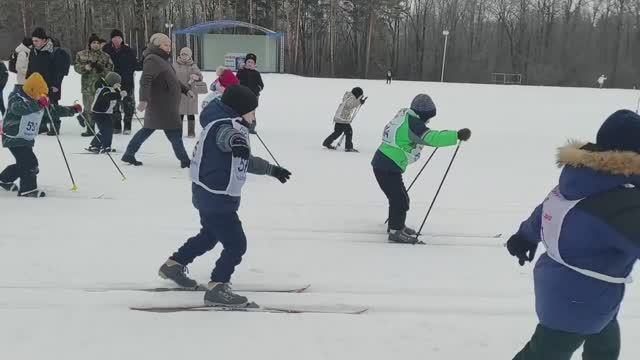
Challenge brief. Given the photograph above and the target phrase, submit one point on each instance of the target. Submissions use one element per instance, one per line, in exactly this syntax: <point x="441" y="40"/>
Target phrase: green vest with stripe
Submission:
<point x="399" y="146"/>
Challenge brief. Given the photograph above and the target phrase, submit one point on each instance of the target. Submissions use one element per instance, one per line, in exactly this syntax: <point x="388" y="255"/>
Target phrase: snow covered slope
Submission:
<point x="459" y="297"/>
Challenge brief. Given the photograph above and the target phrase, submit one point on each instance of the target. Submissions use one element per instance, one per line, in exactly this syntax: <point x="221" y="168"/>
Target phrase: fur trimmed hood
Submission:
<point x="625" y="163"/>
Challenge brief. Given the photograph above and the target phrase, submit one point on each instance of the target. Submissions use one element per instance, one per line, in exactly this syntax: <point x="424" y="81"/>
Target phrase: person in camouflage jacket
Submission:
<point x="93" y="64"/>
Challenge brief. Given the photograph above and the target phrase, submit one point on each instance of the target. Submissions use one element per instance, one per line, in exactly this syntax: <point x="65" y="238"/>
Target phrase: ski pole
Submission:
<point x="419" y="172"/>
<point x="439" y="188"/>
<point x="64" y="156"/>
<point x="269" y="151"/>
<point x="352" y="118"/>
<point x="124" y="178"/>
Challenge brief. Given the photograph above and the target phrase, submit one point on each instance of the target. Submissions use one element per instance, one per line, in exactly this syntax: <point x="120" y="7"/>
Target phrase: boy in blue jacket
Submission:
<point x="589" y="225"/>
<point x="221" y="160"/>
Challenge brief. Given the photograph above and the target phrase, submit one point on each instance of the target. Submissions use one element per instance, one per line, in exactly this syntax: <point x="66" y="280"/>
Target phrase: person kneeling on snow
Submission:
<point x="107" y="96"/>
<point x="26" y="107"/>
<point x="402" y="142"/>
<point x="222" y="158"/>
<point x="589" y="226"/>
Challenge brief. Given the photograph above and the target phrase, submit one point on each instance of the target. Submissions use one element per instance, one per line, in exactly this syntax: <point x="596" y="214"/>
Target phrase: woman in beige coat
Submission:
<point x="188" y="73"/>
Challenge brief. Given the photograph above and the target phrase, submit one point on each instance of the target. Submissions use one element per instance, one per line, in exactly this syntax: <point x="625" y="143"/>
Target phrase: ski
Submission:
<point x="370" y="232"/>
<point x="253" y="307"/>
<point x="239" y="288"/>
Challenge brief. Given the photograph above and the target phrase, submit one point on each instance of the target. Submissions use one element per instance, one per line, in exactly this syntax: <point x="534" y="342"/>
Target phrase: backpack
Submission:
<point x="13" y="59"/>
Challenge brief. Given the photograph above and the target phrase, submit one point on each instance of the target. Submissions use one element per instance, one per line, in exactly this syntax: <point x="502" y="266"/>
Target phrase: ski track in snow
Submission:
<point x="460" y="296"/>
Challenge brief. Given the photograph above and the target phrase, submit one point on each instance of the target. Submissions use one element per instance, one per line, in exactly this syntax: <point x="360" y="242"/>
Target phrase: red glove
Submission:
<point x="77" y="108"/>
<point x="44" y="102"/>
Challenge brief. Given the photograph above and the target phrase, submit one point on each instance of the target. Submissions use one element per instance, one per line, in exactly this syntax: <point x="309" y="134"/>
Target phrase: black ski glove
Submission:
<point x="363" y="100"/>
<point x="522" y="248"/>
<point x="280" y="173"/>
<point x="464" y="134"/>
<point x="240" y="148"/>
<point x="99" y="68"/>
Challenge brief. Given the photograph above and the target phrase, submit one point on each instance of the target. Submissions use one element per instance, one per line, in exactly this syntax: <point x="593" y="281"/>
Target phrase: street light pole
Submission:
<point x="444" y="54"/>
<point x="169" y="26"/>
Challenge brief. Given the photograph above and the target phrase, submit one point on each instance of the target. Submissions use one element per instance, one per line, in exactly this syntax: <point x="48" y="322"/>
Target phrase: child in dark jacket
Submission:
<point x="251" y="78"/>
<point x="221" y="160"/>
<point x="26" y="107"/>
<point x="106" y="100"/>
<point x="589" y="226"/>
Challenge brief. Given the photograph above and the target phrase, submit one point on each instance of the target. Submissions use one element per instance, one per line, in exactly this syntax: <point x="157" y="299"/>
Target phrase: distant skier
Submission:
<point x="351" y="102"/>
<point x="601" y="81"/>
<point x="389" y="77"/>
<point x="402" y="142"/>
<point x="589" y="226"/>
<point x="222" y="158"/>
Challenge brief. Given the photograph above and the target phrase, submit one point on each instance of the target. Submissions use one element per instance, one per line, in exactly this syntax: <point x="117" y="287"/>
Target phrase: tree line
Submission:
<point x="547" y="42"/>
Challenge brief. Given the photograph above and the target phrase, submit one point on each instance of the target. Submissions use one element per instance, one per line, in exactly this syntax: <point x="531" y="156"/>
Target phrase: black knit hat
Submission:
<point x="240" y="98"/>
<point x="93" y="38"/>
<point x="251" y="56"/>
<point x="620" y="132"/>
<point x="116" y="32"/>
<point x="39" y="33"/>
<point x="357" y="92"/>
<point x="28" y="42"/>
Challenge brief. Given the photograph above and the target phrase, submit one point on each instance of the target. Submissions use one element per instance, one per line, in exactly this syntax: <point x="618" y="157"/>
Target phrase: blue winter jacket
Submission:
<point x="216" y="164"/>
<point x="601" y="233"/>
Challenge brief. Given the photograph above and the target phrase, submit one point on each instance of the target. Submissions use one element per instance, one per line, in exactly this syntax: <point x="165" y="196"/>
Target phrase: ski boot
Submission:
<point x="328" y="145"/>
<point x="402" y="237"/>
<point x="32" y="194"/>
<point x="407" y="230"/>
<point x="130" y="159"/>
<point x="176" y="272"/>
<point x="87" y="133"/>
<point x="107" y="150"/>
<point x="220" y="294"/>
<point x="93" y="149"/>
<point x="351" y="150"/>
<point x="126" y="132"/>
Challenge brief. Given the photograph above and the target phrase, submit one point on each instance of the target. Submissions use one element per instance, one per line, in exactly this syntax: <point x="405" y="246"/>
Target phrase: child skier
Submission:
<point x="402" y="142"/>
<point x="106" y="100"/>
<point x="26" y="107"/>
<point x="351" y="102"/>
<point x="589" y="226"/>
<point x="222" y="158"/>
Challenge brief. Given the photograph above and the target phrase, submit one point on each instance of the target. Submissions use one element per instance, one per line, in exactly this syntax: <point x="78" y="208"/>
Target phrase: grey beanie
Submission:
<point x="423" y="106"/>
<point x="112" y="78"/>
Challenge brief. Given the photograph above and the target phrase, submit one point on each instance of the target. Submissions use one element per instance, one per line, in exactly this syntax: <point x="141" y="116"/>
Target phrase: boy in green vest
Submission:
<point x="402" y="141"/>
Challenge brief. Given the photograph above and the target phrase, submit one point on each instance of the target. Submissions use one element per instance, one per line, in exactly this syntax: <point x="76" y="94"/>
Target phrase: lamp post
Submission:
<point x="169" y="26"/>
<point x="444" y="54"/>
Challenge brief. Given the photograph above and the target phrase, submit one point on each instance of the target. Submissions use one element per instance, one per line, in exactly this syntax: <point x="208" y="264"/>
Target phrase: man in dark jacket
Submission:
<point x="124" y="64"/>
<point x="52" y="63"/>
<point x="250" y="77"/>
<point x="4" y="76"/>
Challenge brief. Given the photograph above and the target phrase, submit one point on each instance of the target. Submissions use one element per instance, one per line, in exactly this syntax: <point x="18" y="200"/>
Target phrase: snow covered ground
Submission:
<point x="457" y="298"/>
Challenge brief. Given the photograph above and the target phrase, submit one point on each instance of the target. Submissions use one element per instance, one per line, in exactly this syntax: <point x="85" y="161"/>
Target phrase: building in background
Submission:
<point x="216" y="46"/>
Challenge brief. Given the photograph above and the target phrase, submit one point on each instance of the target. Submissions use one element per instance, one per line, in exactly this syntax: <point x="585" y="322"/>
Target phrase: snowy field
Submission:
<point x="459" y="297"/>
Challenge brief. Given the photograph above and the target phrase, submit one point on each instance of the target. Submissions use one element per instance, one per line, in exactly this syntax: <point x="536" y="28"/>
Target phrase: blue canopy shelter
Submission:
<point x="230" y="49"/>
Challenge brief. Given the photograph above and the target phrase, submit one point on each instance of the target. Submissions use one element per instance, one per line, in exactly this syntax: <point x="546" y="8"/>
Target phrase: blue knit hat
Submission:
<point x="621" y="132"/>
<point x="423" y="106"/>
